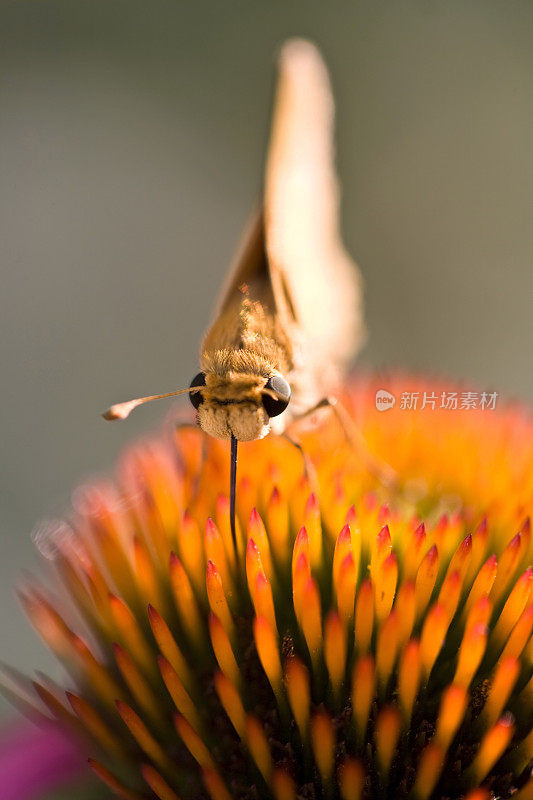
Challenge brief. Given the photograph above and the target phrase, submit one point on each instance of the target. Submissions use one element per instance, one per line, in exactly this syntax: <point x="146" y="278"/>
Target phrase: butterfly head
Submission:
<point x="240" y="404"/>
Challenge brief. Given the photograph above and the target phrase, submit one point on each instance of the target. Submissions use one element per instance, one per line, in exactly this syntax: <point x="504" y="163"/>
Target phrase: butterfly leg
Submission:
<point x="309" y="468"/>
<point x="384" y="473"/>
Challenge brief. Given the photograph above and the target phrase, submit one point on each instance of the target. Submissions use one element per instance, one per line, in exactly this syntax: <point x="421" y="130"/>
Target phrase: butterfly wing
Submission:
<point x="291" y="258"/>
<point x="301" y="215"/>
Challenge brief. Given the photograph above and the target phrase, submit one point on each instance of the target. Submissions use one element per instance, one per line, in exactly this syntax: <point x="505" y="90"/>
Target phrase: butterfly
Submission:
<point x="289" y="318"/>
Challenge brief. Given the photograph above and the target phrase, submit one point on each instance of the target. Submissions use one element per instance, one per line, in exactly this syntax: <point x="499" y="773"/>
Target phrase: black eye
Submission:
<point x="196" y="397"/>
<point x="280" y="387"/>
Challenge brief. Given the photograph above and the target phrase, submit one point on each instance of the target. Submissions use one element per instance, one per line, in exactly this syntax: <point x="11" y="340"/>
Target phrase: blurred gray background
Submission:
<point x="132" y="137"/>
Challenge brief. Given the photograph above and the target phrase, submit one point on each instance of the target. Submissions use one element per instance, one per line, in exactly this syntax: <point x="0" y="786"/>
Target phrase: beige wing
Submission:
<point x="251" y="266"/>
<point x="248" y="263"/>
<point x="301" y="213"/>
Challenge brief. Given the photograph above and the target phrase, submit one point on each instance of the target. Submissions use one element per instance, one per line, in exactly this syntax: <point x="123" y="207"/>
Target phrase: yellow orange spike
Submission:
<point x="301" y="574"/>
<point x="100" y="598"/>
<point x="335" y="650"/>
<point x="351" y="779"/>
<point x="503" y="683"/>
<point x="364" y="616"/>
<point x="193" y="741"/>
<point x="185" y="601"/>
<point x="146" y="576"/>
<point x="470" y="654"/>
<point x="313" y="526"/>
<point x="413" y="552"/>
<point x="215" y="785"/>
<point x="118" y="788"/>
<point x="386" y="734"/>
<point x="215" y="553"/>
<point x="300" y="495"/>
<point x="48" y="624"/>
<point x="217" y="599"/>
<point x="506" y="568"/>
<point x="191" y="550"/>
<point x="258" y="747"/>
<point x="355" y="532"/>
<point x="405" y="607"/>
<point x="433" y="633"/>
<point x="256" y="531"/>
<point x="301" y="547"/>
<point x="178" y="693"/>
<point x="54" y="705"/>
<point x="450" y="593"/>
<point x="231" y="702"/>
<point x="363" y="688"/>
<point x="246" y="496"/>
<point x="76" y="586"/>
<point x="479" y="614"/>
<point x="386" y="649"/>
<point x="168" y="647"/>
<point x="323" y="744"/>
<point x="117" y="563"/>
<point x="428" y="772"/>
<point x="157" y="783"/>
<point x="425" y="579"/>
<point x="492" y="747"/>
<point x="138" y="686"/>
<point x="299" y="693"/>
<point x="380" y="550"/>
<point x="514" y="606"/>
<point x="479" y="549"/>
<point x="311" y="614"/>
<point x="278" y="525"/>
<point x="520" y="635"/>
<point x="143" y="737"/>
<point x="345" y="589"/>
<point x="96" y="673"/>
<point x="283" y="785"/>
<point x="527" y="541"/>
<point x="385" y="586"/>
<point x="95" y="725"/>
<point x="409" y="676"/>
<point x="92" y="574"/>
<point x="267" y="650"/>
<point x="223" y="650"/>
<point x="350" y="519"/>
<point x="453" y="707"/>
<point x="264" y="601"/>
<point x="131" y="635"/>
<point x="483" y="583"/>
<point x="445" y="535"/>
<point x="254" y="565"/>
<point x="460" y="561"/>
<point x="343" y="548"/>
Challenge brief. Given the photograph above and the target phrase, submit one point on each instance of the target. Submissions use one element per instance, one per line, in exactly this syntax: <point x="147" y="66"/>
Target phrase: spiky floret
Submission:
<point x="362" y="643"/>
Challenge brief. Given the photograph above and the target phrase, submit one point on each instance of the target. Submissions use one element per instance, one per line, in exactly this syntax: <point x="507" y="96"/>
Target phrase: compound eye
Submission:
<point x="282" y="390"/>
<point x="196" y="397"/>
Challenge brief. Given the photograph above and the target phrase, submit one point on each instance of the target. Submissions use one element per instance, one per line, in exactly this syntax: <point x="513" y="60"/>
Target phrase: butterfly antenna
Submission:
<point x="232" y="491"/>
<point x="123" y="410"/>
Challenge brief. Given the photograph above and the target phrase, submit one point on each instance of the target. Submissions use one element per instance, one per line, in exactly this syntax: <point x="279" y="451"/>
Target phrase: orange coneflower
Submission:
<point x="364" y="642"/>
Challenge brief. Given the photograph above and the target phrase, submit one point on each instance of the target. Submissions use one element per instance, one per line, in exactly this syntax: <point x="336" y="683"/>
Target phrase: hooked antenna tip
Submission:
<point x="119" y="411"/>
